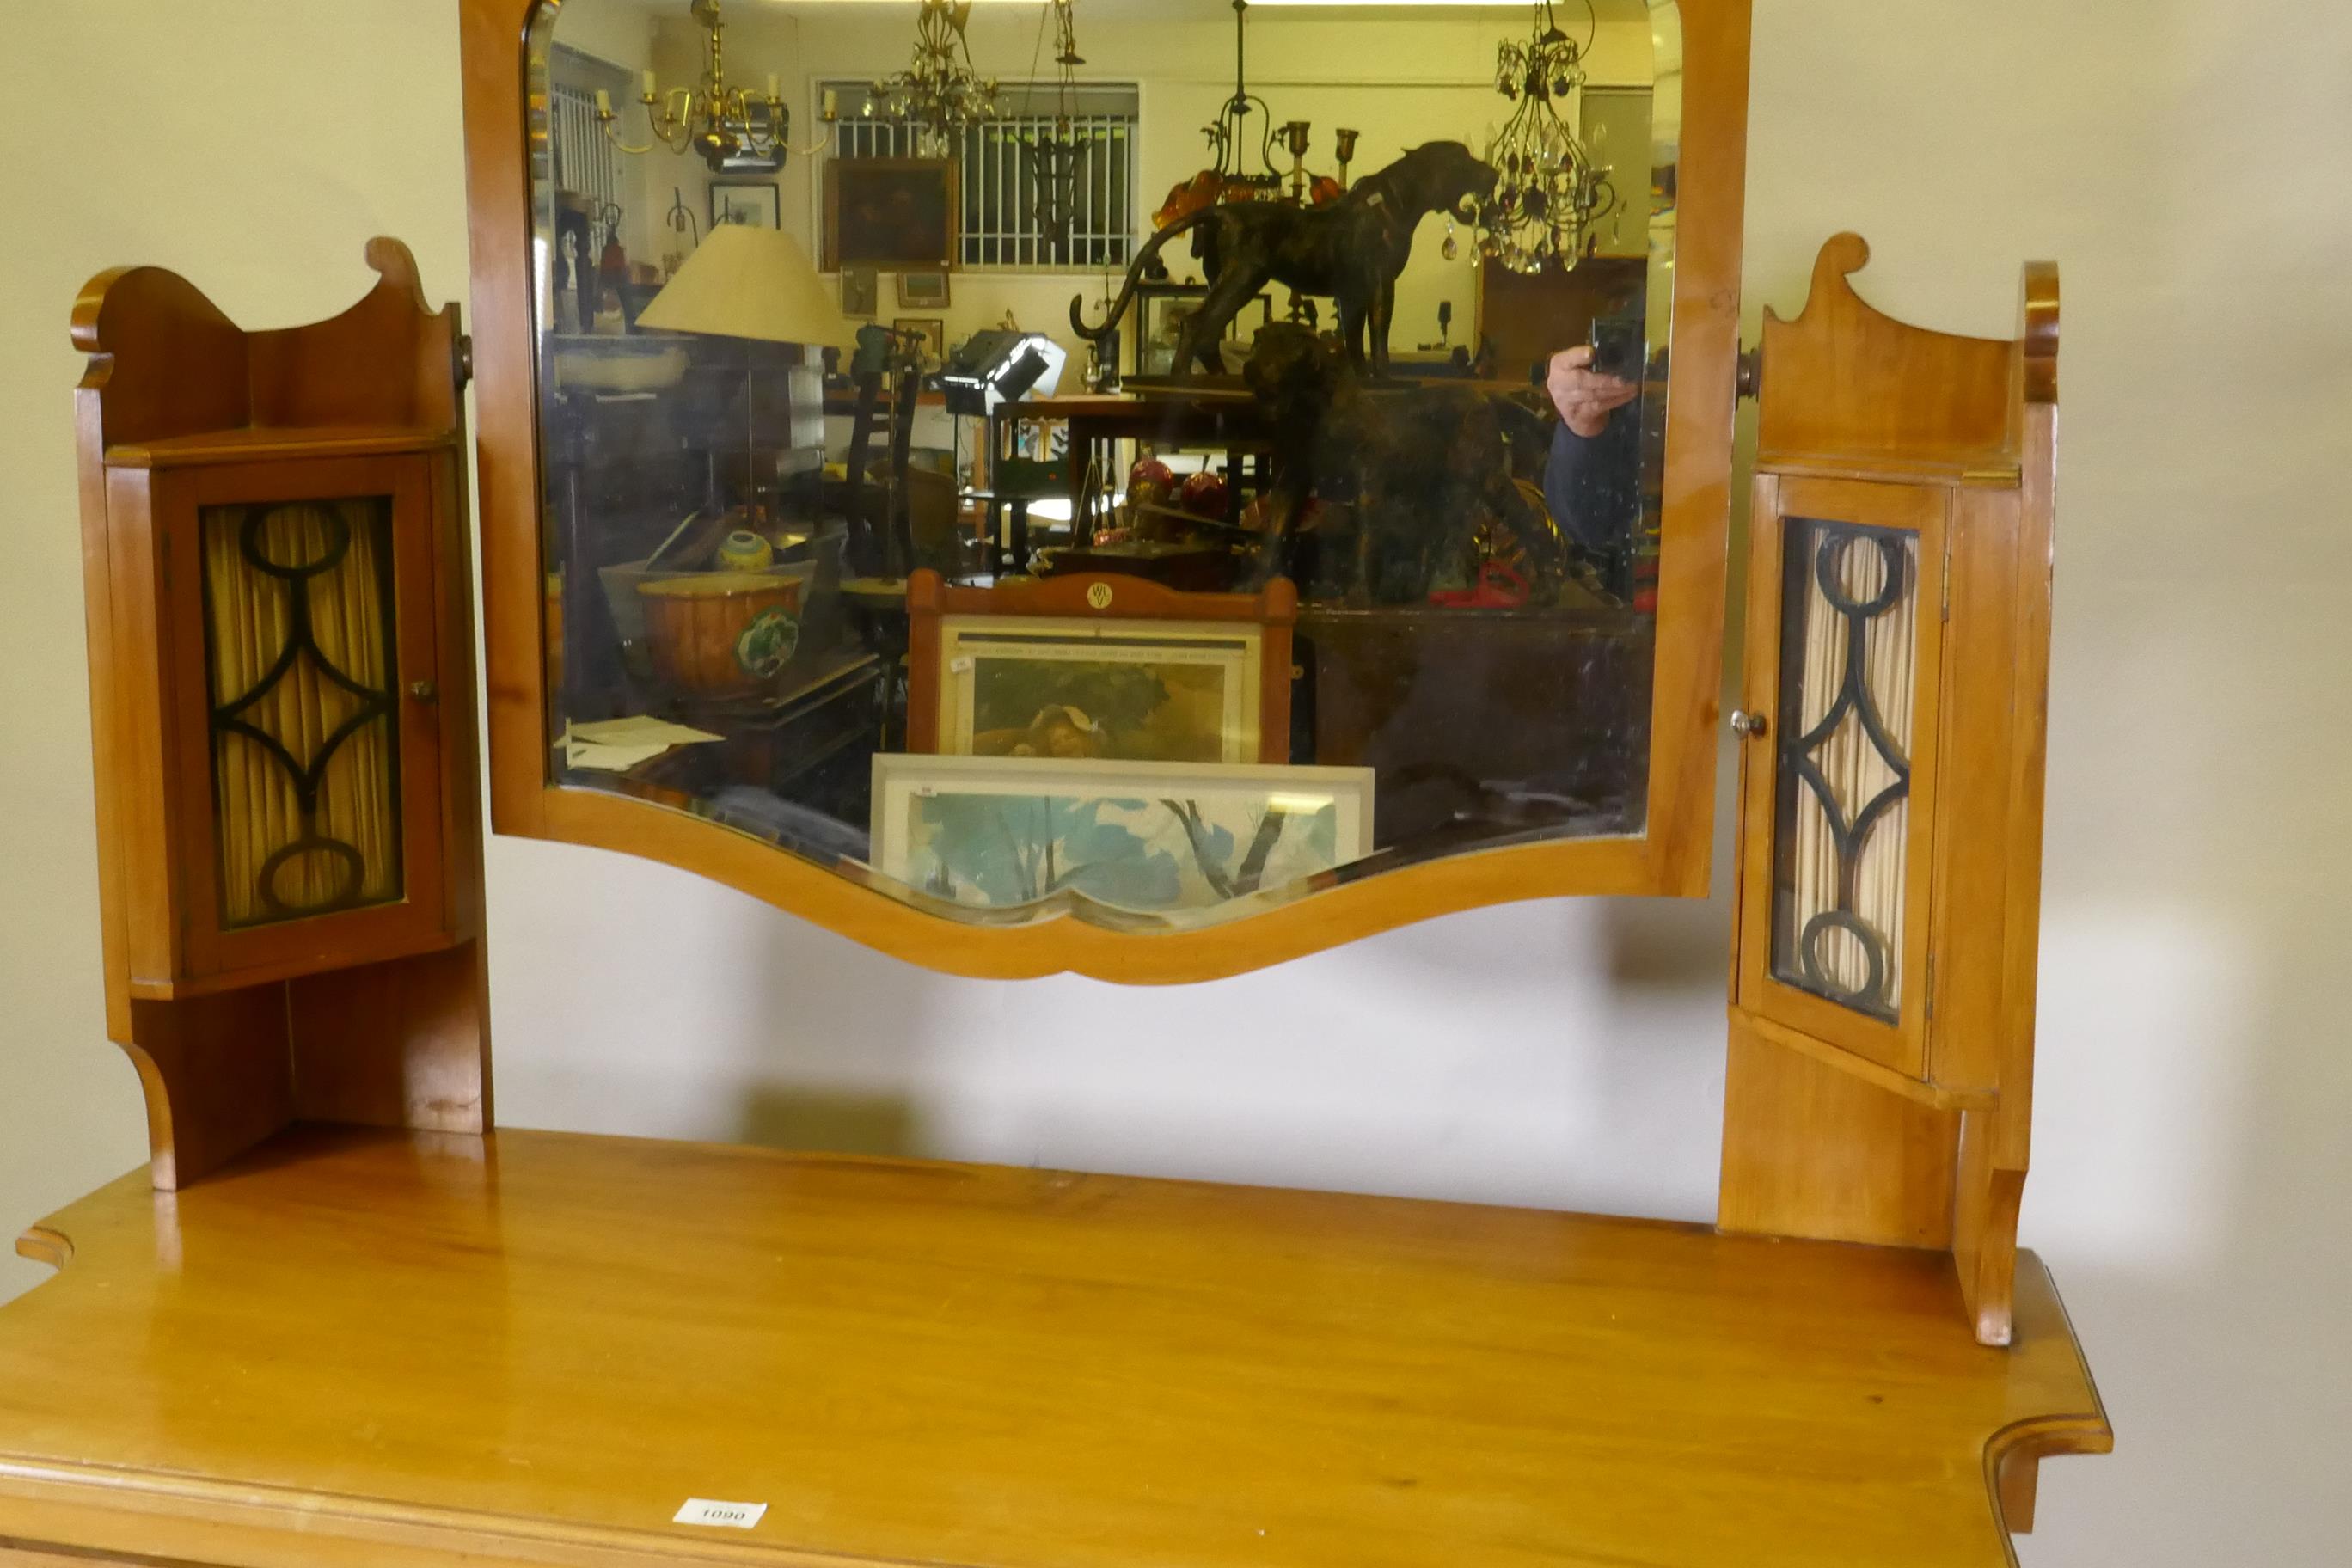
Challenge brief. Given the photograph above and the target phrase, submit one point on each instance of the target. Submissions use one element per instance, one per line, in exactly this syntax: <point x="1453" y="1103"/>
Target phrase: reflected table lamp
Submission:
<point x="756" y="286"/>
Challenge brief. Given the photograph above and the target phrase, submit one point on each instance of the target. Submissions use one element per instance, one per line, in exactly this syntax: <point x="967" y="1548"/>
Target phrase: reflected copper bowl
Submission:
<point x="722" y="634"/>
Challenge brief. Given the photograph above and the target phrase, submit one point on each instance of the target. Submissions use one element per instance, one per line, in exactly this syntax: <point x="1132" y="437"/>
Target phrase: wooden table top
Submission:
<point x="381" y="1348"/>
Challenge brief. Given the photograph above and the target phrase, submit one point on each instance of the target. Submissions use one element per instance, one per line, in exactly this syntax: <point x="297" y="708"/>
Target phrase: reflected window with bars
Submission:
<point x="1040" y="191"/>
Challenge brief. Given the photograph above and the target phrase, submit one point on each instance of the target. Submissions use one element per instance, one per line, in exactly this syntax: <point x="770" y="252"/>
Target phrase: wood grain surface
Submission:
<point x="392" y="1348"/>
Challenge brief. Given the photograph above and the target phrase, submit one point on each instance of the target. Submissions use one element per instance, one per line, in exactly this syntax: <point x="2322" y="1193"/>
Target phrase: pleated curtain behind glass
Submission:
<point x="318" y="829"/>
<point x="1839" y="915"/>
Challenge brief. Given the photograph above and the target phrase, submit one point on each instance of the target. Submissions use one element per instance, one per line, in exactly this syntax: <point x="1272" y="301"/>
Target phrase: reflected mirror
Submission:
<point x="1169" y="454"/>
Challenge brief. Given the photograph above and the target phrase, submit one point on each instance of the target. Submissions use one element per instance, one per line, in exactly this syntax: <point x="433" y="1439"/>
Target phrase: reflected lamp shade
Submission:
<point x="748" y="282"/>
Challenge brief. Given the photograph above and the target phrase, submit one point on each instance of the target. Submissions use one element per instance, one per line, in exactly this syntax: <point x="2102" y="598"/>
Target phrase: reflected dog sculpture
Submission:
<point x="1353" y="250"/>
<point x="1427" y="472"/>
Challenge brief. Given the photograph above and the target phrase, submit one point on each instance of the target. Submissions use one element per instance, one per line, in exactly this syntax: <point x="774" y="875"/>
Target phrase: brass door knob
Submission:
<point x="1749" y="726"/>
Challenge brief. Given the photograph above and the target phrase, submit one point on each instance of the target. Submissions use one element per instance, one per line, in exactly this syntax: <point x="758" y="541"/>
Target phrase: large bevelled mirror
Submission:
<point x="1150" y="461"/>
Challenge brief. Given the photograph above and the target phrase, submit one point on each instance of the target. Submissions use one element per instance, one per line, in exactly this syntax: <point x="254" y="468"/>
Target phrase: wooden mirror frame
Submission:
<point x="1672" y="857"/>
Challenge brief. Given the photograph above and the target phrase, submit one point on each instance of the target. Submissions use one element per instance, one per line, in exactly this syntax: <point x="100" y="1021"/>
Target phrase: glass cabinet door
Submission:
<point x="1839" y="731"/>
<point x="307" y="688"/>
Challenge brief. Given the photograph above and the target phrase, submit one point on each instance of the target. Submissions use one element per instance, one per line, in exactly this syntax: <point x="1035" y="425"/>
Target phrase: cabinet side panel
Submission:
<point x="1812" y="1151"/>
<point x="399" y="1044"/>
<point x="1980" y="731"/>
<point x="1999" y="1145"/>
<point x="223" y="1066"/>
<point x="139" y="610"/>
<point x="105" y="673"/>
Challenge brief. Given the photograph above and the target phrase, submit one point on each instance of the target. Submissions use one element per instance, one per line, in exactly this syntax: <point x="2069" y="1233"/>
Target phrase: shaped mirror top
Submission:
<point x="1145" y="463"/>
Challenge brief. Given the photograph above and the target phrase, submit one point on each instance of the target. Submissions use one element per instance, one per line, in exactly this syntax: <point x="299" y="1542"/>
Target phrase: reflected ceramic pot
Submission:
<point x="744" y="551"/>
<point x="722" y="634"/>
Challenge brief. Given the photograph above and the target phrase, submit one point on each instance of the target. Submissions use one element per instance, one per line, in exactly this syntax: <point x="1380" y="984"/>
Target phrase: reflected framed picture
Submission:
<point x="1137" y="691"/>
<point x="923" y="290"/>
<point x="861" y="292"/>
<point x="754" y="202"/>
<point x="898" y="215"/>
<point x="1152" y="837"/>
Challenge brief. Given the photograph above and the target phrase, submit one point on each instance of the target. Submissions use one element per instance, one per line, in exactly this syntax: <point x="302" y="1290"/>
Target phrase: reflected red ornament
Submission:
<point x="1150" y="483"/>
<point x="1205" y="495"/>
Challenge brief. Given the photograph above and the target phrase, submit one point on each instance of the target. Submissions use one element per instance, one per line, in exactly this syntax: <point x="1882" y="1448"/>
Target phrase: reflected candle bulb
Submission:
<point x="649" y="87"/>
<point x="772" y="94"/>
<point x="604" y="101"/>
<point x="831" y="104"/>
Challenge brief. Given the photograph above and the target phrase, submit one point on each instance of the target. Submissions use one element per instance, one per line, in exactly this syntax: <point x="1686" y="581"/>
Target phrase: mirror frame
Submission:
<point x="1670" y="858"/>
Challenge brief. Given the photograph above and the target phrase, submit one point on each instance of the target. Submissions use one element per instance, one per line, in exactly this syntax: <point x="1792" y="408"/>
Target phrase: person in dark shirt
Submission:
<point x="1591" y="482"/>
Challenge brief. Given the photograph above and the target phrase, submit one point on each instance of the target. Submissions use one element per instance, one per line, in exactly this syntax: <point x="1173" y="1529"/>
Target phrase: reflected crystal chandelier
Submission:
<point x="718" y="120"/>
<point x="1053" y="157"/>
<point x="1552" y="193"/>
<point x="940" y="93"/>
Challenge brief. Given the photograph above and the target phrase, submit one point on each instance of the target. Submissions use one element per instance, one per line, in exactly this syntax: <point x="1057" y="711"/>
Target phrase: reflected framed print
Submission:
<point x="1136" y="692"/>
<point x="1148" y="837"/>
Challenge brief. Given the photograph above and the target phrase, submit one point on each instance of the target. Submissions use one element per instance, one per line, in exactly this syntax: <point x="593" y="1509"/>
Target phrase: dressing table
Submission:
<point x="342" y="1318"/>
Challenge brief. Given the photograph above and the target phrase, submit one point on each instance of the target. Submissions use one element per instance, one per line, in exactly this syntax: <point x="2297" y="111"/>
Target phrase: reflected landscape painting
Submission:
<point x="998" y="833"/>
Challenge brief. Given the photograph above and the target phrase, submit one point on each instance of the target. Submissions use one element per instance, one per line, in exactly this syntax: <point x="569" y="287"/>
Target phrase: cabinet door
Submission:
<point x="1837" y="770"/>
<point x="303" y="674"/>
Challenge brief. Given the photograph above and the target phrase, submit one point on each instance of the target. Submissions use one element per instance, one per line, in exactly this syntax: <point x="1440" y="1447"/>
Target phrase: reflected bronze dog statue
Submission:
<point x="1427" y="472"/>
<point x="1353" y="250"/>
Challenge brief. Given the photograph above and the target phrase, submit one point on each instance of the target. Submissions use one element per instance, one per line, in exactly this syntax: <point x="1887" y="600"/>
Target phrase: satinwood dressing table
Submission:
<point x="341" y="1319"/>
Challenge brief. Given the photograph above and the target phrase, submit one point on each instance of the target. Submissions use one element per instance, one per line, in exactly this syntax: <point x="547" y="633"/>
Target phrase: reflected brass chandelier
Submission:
<point x="720" y="121"/>
<point x="1230" y="177"/>
<point x="1552" y="193"/>
<point x="940" y="93"/>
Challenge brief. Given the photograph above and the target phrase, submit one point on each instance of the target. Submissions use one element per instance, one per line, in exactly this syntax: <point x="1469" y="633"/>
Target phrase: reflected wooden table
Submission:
<point x="396" y="1349"/>
<point x="1172" y="418"/>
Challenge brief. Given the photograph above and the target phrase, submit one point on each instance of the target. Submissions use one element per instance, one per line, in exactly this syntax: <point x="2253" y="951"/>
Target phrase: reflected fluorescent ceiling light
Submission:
<point x="1203" y="5"/>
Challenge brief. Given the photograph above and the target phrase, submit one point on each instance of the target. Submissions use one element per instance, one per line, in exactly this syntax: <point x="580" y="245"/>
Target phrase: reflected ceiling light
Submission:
<point x="1056" y="156"/>
<point x="939" y="93"/>
<point x="1230" y="178"/>
<point x="1552" y="193"/>
<point x="725" y="124"/>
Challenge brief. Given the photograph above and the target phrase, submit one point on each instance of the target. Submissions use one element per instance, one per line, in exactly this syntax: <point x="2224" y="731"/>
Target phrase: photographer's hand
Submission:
<point x="1586" y="400"/>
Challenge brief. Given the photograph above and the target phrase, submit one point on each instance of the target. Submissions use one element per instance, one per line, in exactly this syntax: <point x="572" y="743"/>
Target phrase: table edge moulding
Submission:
<point x="1671" y="857"/>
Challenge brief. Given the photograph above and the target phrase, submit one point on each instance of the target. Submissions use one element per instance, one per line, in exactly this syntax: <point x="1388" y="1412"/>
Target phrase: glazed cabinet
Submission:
<point x="297" y="731"/>
<point x="1891" y="735"/>
<point x="280" y="635"/>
